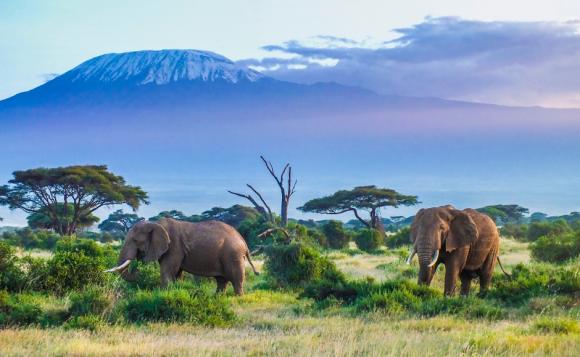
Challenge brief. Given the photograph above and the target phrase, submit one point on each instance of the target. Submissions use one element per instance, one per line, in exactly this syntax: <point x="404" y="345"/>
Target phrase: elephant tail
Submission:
<point x="501" y="266"/>
<point x="251" y="264"/>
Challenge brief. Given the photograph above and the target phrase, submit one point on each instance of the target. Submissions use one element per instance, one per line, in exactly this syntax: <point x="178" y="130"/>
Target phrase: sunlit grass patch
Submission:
<point x="558" y="325"/>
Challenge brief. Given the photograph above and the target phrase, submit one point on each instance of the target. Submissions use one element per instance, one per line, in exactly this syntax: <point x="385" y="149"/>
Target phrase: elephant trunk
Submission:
<point x="426" y="254"/>
<point x="128" y="254"/>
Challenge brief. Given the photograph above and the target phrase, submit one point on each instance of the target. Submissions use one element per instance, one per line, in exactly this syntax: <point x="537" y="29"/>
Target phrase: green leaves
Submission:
<point x="362" y="197"/>
<point x="82" y="189"/>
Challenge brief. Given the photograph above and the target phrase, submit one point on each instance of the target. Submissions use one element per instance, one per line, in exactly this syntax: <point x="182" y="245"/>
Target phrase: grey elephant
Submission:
<point x="465" y="241"/>
<point x="210" y="249"/>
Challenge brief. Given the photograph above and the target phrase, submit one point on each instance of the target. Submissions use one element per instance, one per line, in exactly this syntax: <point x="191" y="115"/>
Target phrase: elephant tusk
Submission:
<point x="120" y="267"/>
<point x="435" y="257"/>
<point x="411" y="256"/>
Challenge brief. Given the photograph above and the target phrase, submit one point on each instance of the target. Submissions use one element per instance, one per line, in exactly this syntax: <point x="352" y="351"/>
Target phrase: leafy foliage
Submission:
<point x="540" y="229"/>
<point x="558" y="248"/>
<point x="42" y="219"/>
<point x="503" y="214"/>
<point x="233" y="215"/>
<point x="336" y="236"/>
<point x="31" y="239"/>
<point x="297" y="264"/>
<point x="178" y="215"/>
<point x="369" y="240"/>
<point x="118" y="223"/>
<point x="179" y="305"/>
<point x="399" y="239"/>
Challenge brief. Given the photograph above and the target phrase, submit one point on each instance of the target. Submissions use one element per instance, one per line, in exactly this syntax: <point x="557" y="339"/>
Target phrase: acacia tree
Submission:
<point x="287" y="189"/>
<point x="503" y="214"/>
<point x="366" y="198"/>
<point x="42" y="219"/>
<point x="119" y="222"/>
<point x="86" y="188"/>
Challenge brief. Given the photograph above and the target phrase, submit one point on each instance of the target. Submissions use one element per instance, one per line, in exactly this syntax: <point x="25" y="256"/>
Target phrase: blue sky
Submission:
<point x="43" y="38"/>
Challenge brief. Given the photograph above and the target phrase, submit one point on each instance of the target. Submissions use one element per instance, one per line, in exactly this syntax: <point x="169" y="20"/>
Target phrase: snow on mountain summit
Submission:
<point x="161" y="67"/>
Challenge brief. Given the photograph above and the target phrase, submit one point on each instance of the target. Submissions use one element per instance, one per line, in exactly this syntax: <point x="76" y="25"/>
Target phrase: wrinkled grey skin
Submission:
<point x="468" y="245"/>
<point x="210" y="249"/>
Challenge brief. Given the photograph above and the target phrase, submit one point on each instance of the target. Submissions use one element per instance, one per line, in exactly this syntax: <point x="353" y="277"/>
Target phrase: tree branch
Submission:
<point x="263" y="201"/>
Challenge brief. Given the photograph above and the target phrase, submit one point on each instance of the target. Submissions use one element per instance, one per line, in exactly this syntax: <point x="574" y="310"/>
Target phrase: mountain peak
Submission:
<point x="161" y="67"/>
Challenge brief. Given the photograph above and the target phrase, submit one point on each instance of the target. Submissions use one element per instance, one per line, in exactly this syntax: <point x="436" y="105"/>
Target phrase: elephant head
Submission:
<point x="146" y="241"/>
<point x="437" y="229"/>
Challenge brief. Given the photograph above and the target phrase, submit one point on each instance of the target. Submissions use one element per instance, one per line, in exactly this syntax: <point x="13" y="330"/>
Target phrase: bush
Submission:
<point x="85" y="322"/>
<point x="91" y="301"/>
<point x="11" y="277"/>
<point x="535" y="280"/>
<point x="32" y="239"/>
<point x="540" y="229"/>
<point x="297" y="264"/>
<point x="18" y="310"/>
<point x="369" y="240"/>
<point x="515" y="231"/>
<point x="556" y="249"/>
<point x="336" y="236"/>
<point x="179" y="305"/>
<point x="399" y="239"/>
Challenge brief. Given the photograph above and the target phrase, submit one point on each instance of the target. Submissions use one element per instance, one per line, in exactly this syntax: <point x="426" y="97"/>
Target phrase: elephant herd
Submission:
<point x="465" y="241"/>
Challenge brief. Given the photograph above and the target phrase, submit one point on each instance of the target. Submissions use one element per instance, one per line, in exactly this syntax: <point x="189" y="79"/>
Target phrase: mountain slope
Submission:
<point x="185" y="121"/>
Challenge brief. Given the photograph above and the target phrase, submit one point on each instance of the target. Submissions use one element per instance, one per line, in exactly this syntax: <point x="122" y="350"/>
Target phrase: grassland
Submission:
<point x="279" y="323"/>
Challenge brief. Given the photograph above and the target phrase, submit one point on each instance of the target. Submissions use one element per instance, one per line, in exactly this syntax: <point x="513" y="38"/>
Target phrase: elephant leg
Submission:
<point x="466" y="278"/>
<point x="238" y="276"/>
<point x="486" y="273"/>
<point x="450" y="280"/>
<point x="222" y="283"/>
<point x="168" y="274"/>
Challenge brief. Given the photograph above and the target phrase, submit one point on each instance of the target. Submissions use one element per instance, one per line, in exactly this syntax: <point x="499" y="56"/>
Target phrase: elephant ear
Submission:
<point x="158" y="242"/>
<point x="462" y="232"/>
<point x="415" y="226"/>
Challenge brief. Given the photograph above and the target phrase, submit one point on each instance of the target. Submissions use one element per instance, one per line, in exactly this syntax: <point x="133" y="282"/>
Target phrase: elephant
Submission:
<point x="210" y="249"/>
<point x="465" y="241"/>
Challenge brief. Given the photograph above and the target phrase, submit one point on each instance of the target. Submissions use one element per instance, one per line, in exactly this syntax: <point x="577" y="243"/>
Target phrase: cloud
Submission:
<point x="516" y="63"/>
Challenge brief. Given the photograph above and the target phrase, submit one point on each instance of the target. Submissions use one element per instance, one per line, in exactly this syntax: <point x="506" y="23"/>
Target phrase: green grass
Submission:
<point x="272" y="321"/>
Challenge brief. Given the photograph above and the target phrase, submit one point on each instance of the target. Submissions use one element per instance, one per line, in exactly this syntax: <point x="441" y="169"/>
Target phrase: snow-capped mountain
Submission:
<point x="171" y="117"/>
<point x="161" y="67"/>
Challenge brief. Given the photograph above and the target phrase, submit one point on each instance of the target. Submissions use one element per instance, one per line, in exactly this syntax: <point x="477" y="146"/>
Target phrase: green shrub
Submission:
<point x="31" y="239"/>
<point x="468" y="307"/>
<point x="401" y="296"/>
<point x="515" y="231"/>
<point x="535" y="280"/>
<point x="297" y="264"/>
<point x="73" y="271"/>
<point x="85" y="322"/>
<point x="11" y="277"/>
<point x="540" y="229"/>
<point x="556" y="325"/>
<point x="556" y="249"/>
<point x="18" y="310"/>
<point x="399" y="239"/>
<point x="369" y="240"/>
<point x="179" y="305"/>
<point x="148" y="276"/>
<point x="91" y="301"/>
<point x="336" y="236"/>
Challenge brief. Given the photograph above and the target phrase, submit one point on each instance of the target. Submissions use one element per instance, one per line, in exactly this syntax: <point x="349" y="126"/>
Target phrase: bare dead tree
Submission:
<point x="266" y="212"/>
<point x="287" y="189"/>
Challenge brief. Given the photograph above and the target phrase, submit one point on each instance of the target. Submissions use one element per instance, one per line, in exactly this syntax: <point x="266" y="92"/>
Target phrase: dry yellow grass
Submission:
<point x="277" y="331"/>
